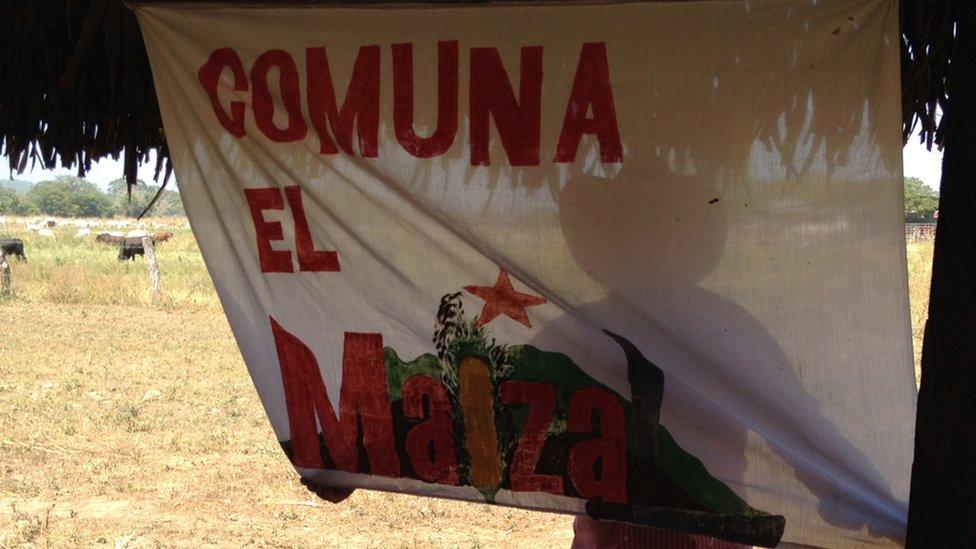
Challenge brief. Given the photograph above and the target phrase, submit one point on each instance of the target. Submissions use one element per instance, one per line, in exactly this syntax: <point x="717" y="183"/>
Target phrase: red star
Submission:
<point x="502" y="298"/>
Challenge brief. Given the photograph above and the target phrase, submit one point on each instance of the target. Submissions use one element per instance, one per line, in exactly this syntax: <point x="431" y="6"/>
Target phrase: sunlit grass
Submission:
<point x="65" y="269"/>
<point x="919" y="276"/>
<point x="131" y="421"/>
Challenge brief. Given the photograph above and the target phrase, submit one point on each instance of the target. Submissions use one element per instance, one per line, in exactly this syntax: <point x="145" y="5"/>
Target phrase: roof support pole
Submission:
<point x="942" y="508"/>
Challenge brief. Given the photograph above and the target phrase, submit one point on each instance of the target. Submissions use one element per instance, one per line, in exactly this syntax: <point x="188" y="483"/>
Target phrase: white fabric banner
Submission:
<point x="644" y="261"/>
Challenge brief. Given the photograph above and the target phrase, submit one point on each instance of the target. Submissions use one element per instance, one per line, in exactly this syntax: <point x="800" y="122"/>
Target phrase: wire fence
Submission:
<point x="920" y="231"/>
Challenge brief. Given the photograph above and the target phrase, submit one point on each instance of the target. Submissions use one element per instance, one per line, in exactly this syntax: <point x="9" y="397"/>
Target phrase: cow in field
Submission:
<point x="130" y="248"/>
<point x="13" y="246"/>
<point x="110" y="238"/>
<point x="162" y="237"/>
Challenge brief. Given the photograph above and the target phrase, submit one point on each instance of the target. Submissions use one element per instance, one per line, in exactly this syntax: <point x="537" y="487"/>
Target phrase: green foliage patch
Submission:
<point x="67" y="196"/>
<point x="921" y="201"/>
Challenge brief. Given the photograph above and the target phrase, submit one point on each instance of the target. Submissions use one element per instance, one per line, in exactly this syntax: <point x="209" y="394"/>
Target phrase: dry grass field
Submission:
<point x="919" y="275"/>
<point x="128" y="421"/>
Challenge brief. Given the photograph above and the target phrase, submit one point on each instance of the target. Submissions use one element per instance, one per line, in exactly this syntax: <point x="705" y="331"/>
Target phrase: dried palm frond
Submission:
<point x="75" y="87"/>
<point x="75" y="84"/>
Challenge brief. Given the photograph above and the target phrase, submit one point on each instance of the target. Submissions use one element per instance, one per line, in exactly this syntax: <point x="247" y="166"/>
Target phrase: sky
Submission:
<point x="918" y="162"/>
<point x="923" y="164"/>
<point x="102" y="172"/>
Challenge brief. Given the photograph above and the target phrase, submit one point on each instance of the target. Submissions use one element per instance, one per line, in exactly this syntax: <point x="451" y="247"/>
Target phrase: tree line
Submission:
<point x="921" y="201"/>
<point x="67" y="196"/>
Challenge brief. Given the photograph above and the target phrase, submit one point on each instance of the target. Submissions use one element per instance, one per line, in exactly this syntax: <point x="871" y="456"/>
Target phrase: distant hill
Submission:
<point x="16" y="186"/>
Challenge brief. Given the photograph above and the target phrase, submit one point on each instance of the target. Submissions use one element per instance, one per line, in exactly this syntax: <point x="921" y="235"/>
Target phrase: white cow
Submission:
<point x="138" y="233"/>
<point x="82" y="233"/>
<point x="46" y="233"/>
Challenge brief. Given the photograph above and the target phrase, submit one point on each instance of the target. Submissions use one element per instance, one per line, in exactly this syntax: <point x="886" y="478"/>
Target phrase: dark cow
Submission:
<point x="13" y="246"/>
<point x="130" y="248"/>
<point x="106" y="238"/>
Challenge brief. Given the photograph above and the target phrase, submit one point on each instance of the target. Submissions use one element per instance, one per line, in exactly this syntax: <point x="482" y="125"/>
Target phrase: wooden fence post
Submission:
<point x="150" y="248"/>
<point x="4" y="274"/>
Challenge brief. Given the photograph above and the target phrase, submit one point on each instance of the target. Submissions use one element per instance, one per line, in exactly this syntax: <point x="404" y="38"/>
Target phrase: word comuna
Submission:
<point x="517" y="116"/>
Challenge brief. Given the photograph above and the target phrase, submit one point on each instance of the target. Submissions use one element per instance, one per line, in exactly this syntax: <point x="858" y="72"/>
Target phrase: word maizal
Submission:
<point x="517" y="116"/>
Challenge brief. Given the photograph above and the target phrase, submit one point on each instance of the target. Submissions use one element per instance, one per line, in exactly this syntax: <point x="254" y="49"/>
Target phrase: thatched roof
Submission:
<point x="75" y="84"/>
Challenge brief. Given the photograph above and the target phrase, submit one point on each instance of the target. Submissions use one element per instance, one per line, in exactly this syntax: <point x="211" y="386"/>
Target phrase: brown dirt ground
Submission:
<point x="137" y="426"/>
<point x="132" y="422"/>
